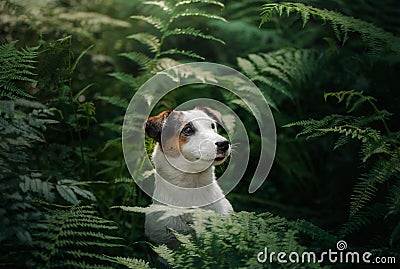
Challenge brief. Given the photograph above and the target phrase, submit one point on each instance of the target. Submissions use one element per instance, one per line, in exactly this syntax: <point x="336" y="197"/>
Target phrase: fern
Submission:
<point x="230" y="241"/>
<point x="249" y="11"/>
<point x="131" y="263"/>
<point x="165" y="26"/>
<point x="379" y="152"/>
<point x="393" y="204"/>
<point x="77" y="20"/>
<point x="16" y="66"/>
<point x="121" y="103"/>
<point x="342" y="25"/>
<point x="233" y="241"/>
<point x="346" y="125"/>
<point x="75" y="237"/>
<point x="126" y="78"/>
<point x="362" y="219"/>
<point x="280" y="71"/>
<point x="366" y="188"/>
<point x="22" y="181"/>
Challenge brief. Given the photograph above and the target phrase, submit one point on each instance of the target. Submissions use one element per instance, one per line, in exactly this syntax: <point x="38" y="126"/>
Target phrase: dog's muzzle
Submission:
<point x="222" y="149"/>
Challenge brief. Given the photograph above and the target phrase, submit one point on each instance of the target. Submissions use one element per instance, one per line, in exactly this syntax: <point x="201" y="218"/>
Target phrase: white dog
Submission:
<point x="188" y="148"/>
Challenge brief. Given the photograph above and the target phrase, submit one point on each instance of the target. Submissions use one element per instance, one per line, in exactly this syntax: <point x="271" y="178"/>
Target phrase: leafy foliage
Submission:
<point x="165" y="26"/>
<point x="16" y="65"/>
<point x="342" y="25"/>
<point x="380" y="152"/>
<point x="63" y="91"/>
<point x="76" y="233"/>
<point x="23" y="181"/>
<point x="280" y="71"/>
<point x="234" y="241"/>
<point x="67" y="18"/>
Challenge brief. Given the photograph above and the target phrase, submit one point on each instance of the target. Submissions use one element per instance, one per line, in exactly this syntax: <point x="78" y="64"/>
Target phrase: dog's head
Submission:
<point x="190" y="134"/>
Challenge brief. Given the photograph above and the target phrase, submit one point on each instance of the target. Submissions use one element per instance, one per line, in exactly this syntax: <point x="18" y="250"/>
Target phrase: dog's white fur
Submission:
<point x="197" y="159"/>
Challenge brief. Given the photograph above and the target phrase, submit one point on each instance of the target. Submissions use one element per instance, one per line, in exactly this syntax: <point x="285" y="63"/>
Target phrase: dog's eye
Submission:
<point x="212" y="126"/>
<point x="188" y="131"/>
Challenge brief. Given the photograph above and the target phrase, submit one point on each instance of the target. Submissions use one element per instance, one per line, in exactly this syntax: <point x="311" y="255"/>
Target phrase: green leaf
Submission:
<point x="197" y="13"/>
<point x="181" y="52"/>
<point x="149" y="40"/>
<point x="341" y="24"/>
<point x="137" y="57"/>
<point x="155" y="21"/>
<point x="247" y="67"/>
<point x="164" y="5"/>
<point x="192" y="32"/>
<point x="189" y="2"/>
<point x="67" y="193"/>
<point x="84" y="193"/>
<point x="126" y="78"/>
<point x="131" y="263"/>
<point x="116" y="101"/>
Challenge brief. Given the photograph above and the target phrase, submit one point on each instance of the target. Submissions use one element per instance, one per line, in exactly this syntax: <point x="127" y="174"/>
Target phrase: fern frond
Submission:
<point x="67" y="193"/>
<point x="315" y="232"/>
<point x="71" y="234"/>
<point x="163" y="5"/>
<point x="192" y="32"/>
<point x="312" y="128"/>
<point x="196" y="13"/>
<point x="273" y="84"/>
<point x="362" y="134"/>
<point x="174" y="10"/>
<point x="394" y="200"/>
<point x="131" y="263"/>
<point x="137" y="57"/>
<point x="367" y="187"/>
<point x="362" y="219"/>
<point x="165" y="63"/>
<point x="247" y="67"/>
<point x="37" y="185"/>
<point x="128" y="79"/>
<point x="215" y="236"/>
<point x="14" y="67"/>
<point x="155" y="21"/>
<point x="149" y="40"/>
<point x="380" y="146"/>
<point x="280" y="71"/>
<point x="189" y="2"/>
<point x="164" y="252"/>
<point x="181" y="52"/>
<point x="349" y="97"/>
<point x="342" y="25"/>
<point x="116" y="101"/>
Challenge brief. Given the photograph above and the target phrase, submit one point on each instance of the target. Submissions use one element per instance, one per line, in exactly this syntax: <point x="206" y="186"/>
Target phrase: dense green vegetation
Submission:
<point x="329" y="70"/>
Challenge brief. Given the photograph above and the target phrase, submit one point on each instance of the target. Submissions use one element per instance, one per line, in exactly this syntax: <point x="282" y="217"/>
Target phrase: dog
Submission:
<point x="187" y="150"/>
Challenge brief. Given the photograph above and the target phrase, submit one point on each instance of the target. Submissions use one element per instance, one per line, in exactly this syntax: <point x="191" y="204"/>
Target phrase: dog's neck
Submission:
<point x="177" y="177"/>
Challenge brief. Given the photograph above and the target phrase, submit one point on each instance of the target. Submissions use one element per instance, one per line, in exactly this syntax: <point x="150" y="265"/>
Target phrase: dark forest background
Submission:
<point x="329" y="70"/>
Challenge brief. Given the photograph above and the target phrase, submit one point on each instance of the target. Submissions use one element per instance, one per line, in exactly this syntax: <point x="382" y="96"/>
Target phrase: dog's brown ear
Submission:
<point x="214" y="114"/>
<point x="153" y="125"/>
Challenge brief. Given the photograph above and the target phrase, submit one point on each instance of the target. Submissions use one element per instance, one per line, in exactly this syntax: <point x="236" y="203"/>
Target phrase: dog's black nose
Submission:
<point x="222" y="145"/>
